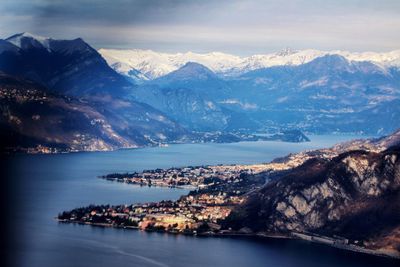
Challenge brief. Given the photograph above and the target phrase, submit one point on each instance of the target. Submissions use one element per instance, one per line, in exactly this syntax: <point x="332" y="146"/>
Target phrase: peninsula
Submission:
<point x="321" y="196"/>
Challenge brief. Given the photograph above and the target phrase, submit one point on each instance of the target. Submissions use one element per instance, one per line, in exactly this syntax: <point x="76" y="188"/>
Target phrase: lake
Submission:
<point x="41" y="186"/>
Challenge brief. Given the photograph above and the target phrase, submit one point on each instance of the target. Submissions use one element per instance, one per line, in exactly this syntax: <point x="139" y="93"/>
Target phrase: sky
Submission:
<point x="231" y="26"/>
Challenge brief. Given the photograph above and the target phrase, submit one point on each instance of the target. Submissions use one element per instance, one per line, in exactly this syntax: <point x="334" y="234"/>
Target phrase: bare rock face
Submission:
<point x="355" y="195"/>
<point x="300" y="205"/>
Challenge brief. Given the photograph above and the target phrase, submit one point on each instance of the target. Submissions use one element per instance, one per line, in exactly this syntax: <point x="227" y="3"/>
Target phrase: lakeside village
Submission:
<point x="217" y="190"/>
<point x="188" y="177"/>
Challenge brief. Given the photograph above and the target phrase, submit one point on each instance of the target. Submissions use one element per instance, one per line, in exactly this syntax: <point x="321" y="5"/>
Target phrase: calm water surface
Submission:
<point x="44" y="185"/>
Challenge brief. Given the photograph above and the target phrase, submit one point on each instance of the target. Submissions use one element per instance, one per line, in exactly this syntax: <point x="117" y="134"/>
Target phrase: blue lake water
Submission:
<point x="43" y="185"/>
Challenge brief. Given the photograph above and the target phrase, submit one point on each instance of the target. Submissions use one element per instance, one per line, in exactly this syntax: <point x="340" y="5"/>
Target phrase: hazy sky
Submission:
<point x="240" y="27"/>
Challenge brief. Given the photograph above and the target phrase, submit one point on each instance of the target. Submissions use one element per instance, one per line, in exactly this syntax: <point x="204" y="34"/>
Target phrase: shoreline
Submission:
<point x="185" y="187"/>
<point x="23" y="151"/>
<point x="293" y="236"/>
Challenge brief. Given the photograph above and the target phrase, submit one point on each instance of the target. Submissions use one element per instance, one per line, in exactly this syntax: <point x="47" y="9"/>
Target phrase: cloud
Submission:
<point x="243" y="27"/>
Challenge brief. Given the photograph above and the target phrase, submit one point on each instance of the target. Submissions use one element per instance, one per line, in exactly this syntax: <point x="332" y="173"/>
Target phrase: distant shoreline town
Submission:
<point x="228" y="200"/>
<point x="202" y="211"/>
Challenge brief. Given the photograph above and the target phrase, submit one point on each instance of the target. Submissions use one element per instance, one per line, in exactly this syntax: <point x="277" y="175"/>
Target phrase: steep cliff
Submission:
<point x="354" y="195"/>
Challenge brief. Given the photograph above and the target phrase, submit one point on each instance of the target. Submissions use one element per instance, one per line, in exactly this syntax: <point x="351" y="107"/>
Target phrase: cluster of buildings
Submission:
<point x="22" y="95"/>
<point x="218" y="190"/>
<point x="188" y="214"/>
<point x="198" y="176"/>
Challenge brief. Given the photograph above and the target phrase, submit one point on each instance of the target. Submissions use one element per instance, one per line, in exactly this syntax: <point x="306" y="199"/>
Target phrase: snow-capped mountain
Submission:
<point x="150" y="64"/>
<point x="312" y="90"/>
<point x="153" y="64"/>
<point x="63" y="94"/>
<point x="328" y="94"/>
<point x="69" y="67"/>
<point x="26" y="41"/>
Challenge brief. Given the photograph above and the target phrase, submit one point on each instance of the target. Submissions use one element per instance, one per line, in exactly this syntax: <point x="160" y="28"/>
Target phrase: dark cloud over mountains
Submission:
<point x="241" y="27"/>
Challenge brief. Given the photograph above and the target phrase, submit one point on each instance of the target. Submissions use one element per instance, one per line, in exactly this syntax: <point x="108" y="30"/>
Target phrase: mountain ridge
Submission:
<point x="155" y="64"/>
<point x="71" y="67"/>
<point x="327" y="94"/>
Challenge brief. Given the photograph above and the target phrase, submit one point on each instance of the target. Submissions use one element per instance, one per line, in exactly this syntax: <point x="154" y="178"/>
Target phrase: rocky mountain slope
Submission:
<point x="328" y="94"/>
<point x="33" y="119"/>
<point x="192" y="95"/>
<point x="351" y="196"/>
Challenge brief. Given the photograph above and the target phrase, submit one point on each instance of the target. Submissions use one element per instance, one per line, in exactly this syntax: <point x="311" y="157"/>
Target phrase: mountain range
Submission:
<point x="328" y="94"/>
<point x="191" y="96"/>
<point x="148" y="97"/>
<point x="151" y="64"/>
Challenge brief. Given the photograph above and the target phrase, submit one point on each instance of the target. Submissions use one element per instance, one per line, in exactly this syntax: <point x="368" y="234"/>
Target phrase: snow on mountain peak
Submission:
<point x="34" y="40"/>
<point x="28" y="40"/>
<point x="286" y="52"/>
<point x="29" y="35"/>
<point x="34" y="36"/>
<point x="154" y="64"/>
